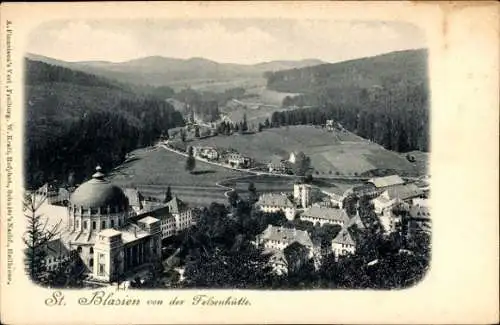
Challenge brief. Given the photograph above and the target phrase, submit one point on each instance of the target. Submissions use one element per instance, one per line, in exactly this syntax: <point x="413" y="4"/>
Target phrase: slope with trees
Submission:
<point x="384" y="98"/>
<point x="75" y="121"/>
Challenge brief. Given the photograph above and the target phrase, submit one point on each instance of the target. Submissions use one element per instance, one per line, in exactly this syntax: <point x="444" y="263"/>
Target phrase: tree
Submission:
<point x="190" y="161"/>
<point x="183" y="135"/>
<point x="244" y="125"/>
<point x="267" y="123"/>
<point x="302" y="164"/>
<point x="253" y="196"/>
<point x="309" y="178"/>
<point x="168" y="195"/>
<point x="36" y="237"/>
<point x="197" y="131"/>
<point x="233" y="198"/>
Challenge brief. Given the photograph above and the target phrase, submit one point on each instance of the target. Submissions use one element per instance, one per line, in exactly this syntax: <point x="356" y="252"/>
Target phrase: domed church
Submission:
<point x="99" y="229"/>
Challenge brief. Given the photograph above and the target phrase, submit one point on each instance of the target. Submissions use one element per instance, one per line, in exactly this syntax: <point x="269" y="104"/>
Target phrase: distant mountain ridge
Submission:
<point x="159" y="70"/>
<point x="385" y="71"/>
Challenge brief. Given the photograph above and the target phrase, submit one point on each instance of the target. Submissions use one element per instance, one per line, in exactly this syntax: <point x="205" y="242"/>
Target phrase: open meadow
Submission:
<point x="152" y="170"/>
<point x="332" y="154"/>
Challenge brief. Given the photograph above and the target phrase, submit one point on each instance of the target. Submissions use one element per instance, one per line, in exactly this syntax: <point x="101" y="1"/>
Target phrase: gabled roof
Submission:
<point x="176" y="206"/>
<point x="404" y="192"/>
<point x="160" y="213"/>
<point x="56" y="248"/>
<point x="287" y="235"/>
<point x="326" y="213"/>
<point x="273" y="199"/>
<point x="356" y="220"/>
<point x="392" y="180"/>
<point x="134" y="196"/>
<point x="344" y="237"/>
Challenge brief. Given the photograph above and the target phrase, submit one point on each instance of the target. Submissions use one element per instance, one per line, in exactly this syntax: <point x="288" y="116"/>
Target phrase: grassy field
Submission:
<point x="332" y="153"/>
<point x="152" y="170"/>
<point x="258" y="106"/>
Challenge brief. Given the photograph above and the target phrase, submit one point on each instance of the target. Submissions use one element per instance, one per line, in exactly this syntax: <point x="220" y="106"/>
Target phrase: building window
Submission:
<point x="103" y="224"/>
<point x="85" y="225"/>
<point x="91" y="251"/>
<point x="77" y="223"/>
<point x="112" y="223"/>
<point x="93" y="225"/>
<point x="101" y="269"/>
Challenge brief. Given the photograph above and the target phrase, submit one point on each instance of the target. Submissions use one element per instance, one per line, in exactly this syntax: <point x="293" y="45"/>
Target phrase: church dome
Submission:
<point x="99" y="193"/>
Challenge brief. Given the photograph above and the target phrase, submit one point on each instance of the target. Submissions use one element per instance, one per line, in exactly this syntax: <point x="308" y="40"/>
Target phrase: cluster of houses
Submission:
<point x="228" y="157"/>
<point x="116" y="231"/>
<point x="386" y="194"/>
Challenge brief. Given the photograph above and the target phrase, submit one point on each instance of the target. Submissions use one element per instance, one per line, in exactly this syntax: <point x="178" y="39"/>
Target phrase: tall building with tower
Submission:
<point x="302" y="195"/>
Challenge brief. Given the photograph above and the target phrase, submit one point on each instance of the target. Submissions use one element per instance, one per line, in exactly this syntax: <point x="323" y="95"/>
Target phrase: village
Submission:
<point x="122" y="244"/>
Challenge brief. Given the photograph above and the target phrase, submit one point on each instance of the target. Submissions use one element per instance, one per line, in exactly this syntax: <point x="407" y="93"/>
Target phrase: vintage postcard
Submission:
<point x="249" y="162"/>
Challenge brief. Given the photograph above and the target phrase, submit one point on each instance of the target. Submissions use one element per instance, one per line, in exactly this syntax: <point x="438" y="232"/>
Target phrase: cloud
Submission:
<point x="240" y="41"/>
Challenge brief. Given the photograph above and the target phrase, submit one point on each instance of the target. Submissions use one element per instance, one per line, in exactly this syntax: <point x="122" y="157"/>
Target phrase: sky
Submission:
<point x="244" y="41"/>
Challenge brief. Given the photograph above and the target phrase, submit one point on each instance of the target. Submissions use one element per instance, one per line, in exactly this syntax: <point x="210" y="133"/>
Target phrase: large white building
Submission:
<point x="323" y="215"/>
<point x="275" y="239"/>
<point x="97" y="227"/>
<point x="273" y="202"/>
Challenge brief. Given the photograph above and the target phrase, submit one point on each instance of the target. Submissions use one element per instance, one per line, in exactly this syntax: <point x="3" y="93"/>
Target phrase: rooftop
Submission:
<point x="176" y="205"/>
<point x="55" y="248"/>
<point x="99" y="193"/>
<point x="404" y="192"/>
<point x="287" y="235"/>
<point x="110" y="232"/>
<point x="148" y="220"/>
<point x="344" y="237"/>
<point x="326" y="213"/>
<point x="380" y="182"/>
<point x="273" y="199"/>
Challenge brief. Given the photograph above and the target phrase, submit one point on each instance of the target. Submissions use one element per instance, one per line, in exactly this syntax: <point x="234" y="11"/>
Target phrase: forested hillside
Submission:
<point x="75" y="121"/>
<point x="383" y="98"/>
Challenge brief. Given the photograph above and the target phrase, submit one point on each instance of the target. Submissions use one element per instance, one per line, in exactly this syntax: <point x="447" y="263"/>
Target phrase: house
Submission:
<point x="278" y="238"/>
<point x="323" y="216"/>
<point x="389" y="221"/>
<point x="273" y="202"/>
<point x="398" y="194"/>
<point x="419" y="220"/>
<point x="237" y="160"/>
<point x="279" y="166"/>
<point x="336" y="195"/>
<point x="343" y="243"/>
<point x="209" y="153"/>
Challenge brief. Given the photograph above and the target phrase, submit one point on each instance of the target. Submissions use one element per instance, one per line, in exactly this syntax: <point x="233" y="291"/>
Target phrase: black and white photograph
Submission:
<point x="163" y="159"/>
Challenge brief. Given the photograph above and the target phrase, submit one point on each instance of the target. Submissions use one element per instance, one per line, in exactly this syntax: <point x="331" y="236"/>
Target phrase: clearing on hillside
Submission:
<point x="337" y="153"/>
<point x="152" y="170"/>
